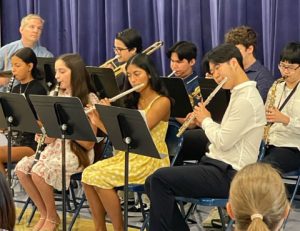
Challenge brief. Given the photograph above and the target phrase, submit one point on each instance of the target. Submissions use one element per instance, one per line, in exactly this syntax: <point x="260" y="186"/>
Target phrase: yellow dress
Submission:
<point x="109" y="173"/>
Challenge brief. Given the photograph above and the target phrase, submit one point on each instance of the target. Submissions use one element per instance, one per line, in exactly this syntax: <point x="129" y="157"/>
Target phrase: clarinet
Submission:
<point x="41" y="142"/>
<point x="10" y="84"/>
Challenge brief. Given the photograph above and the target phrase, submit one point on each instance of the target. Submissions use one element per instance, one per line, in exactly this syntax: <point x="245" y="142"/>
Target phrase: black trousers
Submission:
<point x="285" y="159"/>
<point x="194" y="146"/>
<point x="211" y="178"/>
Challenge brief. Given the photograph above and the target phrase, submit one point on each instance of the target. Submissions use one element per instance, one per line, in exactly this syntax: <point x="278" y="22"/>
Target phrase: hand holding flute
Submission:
<point x="200" y="111"/>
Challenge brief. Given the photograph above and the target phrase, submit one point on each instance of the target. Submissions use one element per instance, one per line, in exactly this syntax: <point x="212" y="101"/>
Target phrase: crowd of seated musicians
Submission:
<point x="233" y="142"/>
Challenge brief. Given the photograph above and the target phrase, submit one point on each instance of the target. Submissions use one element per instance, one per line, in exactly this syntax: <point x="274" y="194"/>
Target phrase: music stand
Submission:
<point x="45" y="65"/>
<point x="104" y="82"/>
<point x="181" y="104"/>
<point x="128" y="132"/>
<point x="16" y="114"/>
<point x="219" y="103"/>
<point x="64" y="118"/>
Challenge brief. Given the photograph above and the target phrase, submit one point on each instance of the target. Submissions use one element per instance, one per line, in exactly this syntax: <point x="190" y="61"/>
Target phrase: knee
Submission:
<point x="155" y="180"/>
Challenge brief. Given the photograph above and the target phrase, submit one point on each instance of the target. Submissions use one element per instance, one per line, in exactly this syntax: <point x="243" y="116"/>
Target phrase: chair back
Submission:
<point x="262" y="151"/>
<point x="174" y="143"/>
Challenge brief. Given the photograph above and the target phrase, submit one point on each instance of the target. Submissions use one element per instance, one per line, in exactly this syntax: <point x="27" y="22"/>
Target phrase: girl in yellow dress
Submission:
<point x="101" y="178"/>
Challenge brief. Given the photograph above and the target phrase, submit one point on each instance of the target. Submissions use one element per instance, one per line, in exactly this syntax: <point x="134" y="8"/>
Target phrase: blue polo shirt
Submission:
<point x="262" y="76"/>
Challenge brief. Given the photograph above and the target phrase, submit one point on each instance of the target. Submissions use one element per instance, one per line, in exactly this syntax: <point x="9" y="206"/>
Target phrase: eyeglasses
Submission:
<point x="119" y="49"/>
<point x="289" y="68"/>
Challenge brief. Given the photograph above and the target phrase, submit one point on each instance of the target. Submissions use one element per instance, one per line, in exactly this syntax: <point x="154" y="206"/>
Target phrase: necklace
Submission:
<point x="20" y="89"/>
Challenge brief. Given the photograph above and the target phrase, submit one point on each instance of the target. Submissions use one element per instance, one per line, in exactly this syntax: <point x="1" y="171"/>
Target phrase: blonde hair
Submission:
<point x="25" y="20"/>
<point x="258" y="198"/>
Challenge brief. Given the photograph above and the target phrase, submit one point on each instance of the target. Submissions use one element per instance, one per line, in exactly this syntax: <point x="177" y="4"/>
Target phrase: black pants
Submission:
<point x="211" y="178"/>
<point x="285" y="159"/>
<point x="194" y="146"/>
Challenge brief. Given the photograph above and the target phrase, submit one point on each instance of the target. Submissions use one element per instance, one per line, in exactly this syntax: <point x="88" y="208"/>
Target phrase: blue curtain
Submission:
<point x="89" y="26"/>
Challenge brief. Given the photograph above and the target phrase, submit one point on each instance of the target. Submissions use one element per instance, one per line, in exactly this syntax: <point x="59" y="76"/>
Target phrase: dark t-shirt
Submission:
<point x="33" y="87"/>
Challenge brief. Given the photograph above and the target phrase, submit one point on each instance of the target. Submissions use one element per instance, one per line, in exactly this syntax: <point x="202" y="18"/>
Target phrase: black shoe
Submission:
<point x="136" y="210"/>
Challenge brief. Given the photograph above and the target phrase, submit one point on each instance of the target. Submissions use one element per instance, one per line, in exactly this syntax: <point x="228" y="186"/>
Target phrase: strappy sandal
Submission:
<point x="56" y="223"/>
<point x="37" y="228"/>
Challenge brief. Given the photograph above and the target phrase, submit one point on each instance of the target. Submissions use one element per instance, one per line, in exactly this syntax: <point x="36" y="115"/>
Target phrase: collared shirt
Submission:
<point x="236" y="140"/>
<point x="262" y="76"/>
<point x="281" y="135"/>
<point x="8" y="50"/>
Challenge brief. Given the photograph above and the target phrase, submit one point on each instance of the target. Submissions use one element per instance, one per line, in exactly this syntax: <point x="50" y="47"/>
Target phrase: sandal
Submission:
<point x="39" y="224"/>
<point x="55" y="223"/>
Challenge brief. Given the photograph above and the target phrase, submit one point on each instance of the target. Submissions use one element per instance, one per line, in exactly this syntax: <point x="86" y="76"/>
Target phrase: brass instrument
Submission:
<point x="195" y="96"/>
<point x="271" y="104"/>
<point x="110" y="62"/>
<point x="147" y="51"/>
<point x="186" y="123"/>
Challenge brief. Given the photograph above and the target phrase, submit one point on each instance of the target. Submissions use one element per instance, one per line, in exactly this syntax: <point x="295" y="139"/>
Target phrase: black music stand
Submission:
<point x="128" y="132"/>
<point x="45" y="65"/>
<point x="64" y="118"/>
<point x="181" y="104"/>
<point x="105" y="83"/>
<point x="219" y="103"/>
<point x="16" y="114"/>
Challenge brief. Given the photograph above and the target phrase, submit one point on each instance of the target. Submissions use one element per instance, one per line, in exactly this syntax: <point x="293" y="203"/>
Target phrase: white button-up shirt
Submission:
<point x="237" y="139"/>
<point x="281" y="135"/>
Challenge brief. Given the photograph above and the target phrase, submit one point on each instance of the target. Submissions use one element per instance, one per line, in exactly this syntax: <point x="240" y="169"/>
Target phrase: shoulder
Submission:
<point x="161" y="101"/>
<point x="11" y="47"/>
<point x="41" y="51"/>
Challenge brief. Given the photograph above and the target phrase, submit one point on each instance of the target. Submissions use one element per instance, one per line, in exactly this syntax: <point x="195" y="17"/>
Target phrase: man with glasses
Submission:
<point x="234" y="144"/>
<point x="245" y="39"/>
<point x="283" y="113"/>
<point x="30" y="29"/>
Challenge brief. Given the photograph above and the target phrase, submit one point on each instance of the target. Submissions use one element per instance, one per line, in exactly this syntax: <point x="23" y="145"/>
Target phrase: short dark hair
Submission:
<point x="144" y="62"/>
<point x="28" y="56"/>
<point x="184" y="50"/>
<point x="291" y="53"/>
<point x="244" y="35"/>
<point x="221" y="54"/>
<point x="131" y="38"/>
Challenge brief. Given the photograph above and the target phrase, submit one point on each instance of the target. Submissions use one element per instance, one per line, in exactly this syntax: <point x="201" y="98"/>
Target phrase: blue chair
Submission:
<point x="293" y="176"/>
<point x="174" y="144"/>
<point x="213" y="202"/>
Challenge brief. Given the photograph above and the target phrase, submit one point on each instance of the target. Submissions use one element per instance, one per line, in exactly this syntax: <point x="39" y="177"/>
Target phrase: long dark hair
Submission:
<point x="81" y="87"/>
<point x="144" y="62"/>
<point x="7" y="211"/>
<point x="28" y="56"/>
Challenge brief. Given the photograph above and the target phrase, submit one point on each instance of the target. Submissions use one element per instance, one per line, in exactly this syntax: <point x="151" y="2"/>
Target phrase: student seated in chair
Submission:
<point x="257" y="199"/>
<point x="282" y="134"/>
<point x="101" y="178"/>
<point x="234" y="144"/>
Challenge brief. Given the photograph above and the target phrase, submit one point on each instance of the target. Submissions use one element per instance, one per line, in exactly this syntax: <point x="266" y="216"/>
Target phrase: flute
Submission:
<point x="186" y="123"/>
<point x="170" y="75"/>
<point x="115" y="98"/>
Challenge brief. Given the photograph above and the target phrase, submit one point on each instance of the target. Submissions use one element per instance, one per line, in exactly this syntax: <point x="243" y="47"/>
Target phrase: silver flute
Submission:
<point x="115" y="98"/>
<point x="186" y="123"/>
